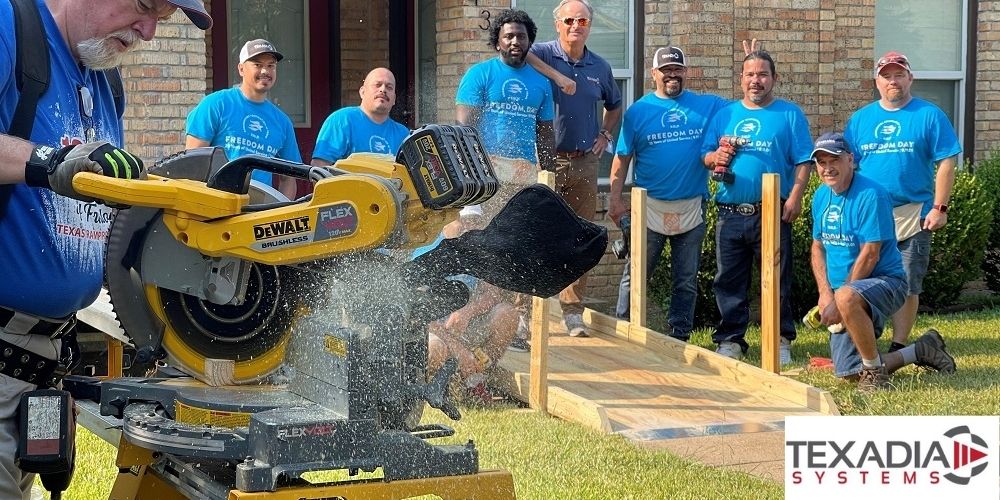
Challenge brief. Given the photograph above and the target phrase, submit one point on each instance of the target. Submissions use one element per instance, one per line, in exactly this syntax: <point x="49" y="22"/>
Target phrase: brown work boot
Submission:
<point x="931" y="353"/>
<point x="873" y="379"/>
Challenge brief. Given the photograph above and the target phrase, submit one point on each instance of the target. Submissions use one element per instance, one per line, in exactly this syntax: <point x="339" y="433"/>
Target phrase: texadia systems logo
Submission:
<point x="919" y="457"/>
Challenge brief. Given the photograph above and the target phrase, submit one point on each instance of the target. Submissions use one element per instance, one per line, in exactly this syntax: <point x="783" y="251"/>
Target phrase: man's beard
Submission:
<point x="101" y="53"/>
<point x="679" y="88"/>
<point x="512" y="59"/>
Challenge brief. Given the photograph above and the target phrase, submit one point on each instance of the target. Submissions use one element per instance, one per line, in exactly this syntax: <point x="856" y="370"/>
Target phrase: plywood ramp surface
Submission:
<point x="648" y="387"/>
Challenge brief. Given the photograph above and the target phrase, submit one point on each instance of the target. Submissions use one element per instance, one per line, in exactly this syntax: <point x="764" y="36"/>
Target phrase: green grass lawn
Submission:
<point x="550" y="458"/>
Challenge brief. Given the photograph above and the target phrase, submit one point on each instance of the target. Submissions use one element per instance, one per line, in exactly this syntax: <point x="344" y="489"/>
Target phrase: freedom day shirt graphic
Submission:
<point x="937" y="457"/>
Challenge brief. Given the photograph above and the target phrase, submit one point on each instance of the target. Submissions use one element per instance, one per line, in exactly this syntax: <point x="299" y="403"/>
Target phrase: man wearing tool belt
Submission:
<point x="51" y="237"/>
<point x="663" y="131"/>
<point x="778" y="141"/>
<point x="899" y="140"/>
<point x="580" y="141"/>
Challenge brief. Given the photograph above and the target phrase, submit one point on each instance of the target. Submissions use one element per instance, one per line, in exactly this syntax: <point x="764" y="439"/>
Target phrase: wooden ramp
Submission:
<point x="650" y="388"/>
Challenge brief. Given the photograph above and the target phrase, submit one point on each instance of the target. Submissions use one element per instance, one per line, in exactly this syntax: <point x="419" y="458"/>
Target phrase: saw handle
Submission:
<point x="232" y="177"/>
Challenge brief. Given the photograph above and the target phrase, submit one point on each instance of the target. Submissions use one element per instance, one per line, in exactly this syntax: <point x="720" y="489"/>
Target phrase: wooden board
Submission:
<point x="638" y="382"/>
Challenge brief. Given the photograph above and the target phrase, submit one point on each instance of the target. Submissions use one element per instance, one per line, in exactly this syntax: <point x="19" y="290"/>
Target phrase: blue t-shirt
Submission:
<point x="577" y="120"/>
<point x="898" y="148"/>
<point x="844" y="222"/>
<point x="664" y="136"/>
<point x="779" y="140"/>
<point x="511" y="102"/>
<point x="242" y="127"/>
<point x="349" y="130"/>
<point x="53" y="246"/>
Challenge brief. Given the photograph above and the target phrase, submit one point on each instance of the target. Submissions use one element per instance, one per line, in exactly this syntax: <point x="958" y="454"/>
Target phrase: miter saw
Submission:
<point x="300" y="326"/>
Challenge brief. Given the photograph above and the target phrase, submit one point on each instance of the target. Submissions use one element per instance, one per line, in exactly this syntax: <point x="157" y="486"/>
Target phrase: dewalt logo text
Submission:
<point x="281" y="228"/>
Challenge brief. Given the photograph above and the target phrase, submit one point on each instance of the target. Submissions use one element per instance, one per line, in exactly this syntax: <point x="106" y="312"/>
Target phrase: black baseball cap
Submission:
<point x="195" y="11"/>
<point x="667" y="56"/>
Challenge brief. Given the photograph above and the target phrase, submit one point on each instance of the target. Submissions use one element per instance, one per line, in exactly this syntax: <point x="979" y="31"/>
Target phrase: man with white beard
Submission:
<point x="52" y="237"/>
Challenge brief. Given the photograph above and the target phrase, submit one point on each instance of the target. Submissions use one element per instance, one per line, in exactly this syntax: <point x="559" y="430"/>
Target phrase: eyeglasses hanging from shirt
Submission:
<point x="87" y="113"/>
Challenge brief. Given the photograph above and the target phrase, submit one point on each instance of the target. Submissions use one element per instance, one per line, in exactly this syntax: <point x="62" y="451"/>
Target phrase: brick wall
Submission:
<point x="364" y="44"/>
<point x="822" y="49"/>
<point x="988" y="79"/>
<point x="163" y="81"/>
<point x="461" y="43"/>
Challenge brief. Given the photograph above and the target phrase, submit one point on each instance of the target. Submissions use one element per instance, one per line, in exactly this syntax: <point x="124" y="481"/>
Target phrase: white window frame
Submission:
<point x="959" y="77"/>
<point x="627" y="74"/>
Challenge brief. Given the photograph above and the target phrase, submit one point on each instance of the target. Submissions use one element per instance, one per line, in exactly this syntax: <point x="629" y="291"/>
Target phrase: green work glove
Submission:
<point x="54" y="168"/>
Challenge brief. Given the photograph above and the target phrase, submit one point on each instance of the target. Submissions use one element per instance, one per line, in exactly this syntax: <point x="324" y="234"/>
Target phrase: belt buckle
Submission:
<point x="746" y="209"/>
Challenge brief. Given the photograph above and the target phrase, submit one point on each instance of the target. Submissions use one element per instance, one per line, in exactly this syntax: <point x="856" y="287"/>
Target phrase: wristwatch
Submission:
<point x="941" y="208"/>
<point x="606" y="134"/>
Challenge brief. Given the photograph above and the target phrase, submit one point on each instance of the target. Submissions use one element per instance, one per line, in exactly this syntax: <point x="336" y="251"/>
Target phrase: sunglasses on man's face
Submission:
<point x="583" y="22"/>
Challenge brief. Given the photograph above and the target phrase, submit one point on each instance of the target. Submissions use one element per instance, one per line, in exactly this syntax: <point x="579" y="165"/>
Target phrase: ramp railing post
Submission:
<point x="538" y="393"/>
<point x="770" y="273"/>
<point x="637" y="259"/>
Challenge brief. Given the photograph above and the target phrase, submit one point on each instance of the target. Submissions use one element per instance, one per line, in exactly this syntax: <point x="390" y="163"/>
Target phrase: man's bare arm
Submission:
<point x="14" y="153"/>
<point x="619" y="170"/>
<point x="943" y="183"/>
<point x="192" y="142"/>
<point x="467" y="115"/>
<point x="566" y="84"/>
<point x="866" y="261"/>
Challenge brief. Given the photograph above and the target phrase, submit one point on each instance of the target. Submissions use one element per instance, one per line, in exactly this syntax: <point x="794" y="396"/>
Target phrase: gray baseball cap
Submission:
<point x="195" y="11"/>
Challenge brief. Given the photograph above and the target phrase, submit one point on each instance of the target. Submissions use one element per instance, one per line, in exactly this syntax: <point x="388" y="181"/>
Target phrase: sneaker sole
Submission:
<point x="578" y="334"/>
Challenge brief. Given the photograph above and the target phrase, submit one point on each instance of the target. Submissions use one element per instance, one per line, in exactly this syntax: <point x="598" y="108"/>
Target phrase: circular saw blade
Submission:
<point x="196" y="335"/>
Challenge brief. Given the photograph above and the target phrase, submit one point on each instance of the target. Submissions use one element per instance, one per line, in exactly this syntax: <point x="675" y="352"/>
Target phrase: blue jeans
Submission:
<point x="737" y="248"/>
<point x="685" y="257"/>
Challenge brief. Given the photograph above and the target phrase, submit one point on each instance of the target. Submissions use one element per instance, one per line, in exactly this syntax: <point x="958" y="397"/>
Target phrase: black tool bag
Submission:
<point x="536" y="245"/>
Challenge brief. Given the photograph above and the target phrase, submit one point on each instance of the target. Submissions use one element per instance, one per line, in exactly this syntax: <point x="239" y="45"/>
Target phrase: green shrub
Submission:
<point x="956" y="253"/>
<point x="957" y="249"/>
<point x="988" y="173"/>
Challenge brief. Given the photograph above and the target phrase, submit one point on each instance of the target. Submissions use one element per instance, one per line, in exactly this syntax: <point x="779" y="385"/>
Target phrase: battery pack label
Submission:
<point x="431" y="169"/>
<point x="44" y="418"/>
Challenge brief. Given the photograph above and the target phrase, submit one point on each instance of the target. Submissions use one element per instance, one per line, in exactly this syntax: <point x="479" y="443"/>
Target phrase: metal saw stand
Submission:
<point x="350" y="399"/>
<point x="161" y="458"/>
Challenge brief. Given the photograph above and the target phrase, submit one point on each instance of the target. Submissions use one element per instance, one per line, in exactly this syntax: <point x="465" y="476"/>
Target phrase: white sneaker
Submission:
<point x="785" y="351"/>
<point x="730" y="350"/>
<point x="575" y="326"/>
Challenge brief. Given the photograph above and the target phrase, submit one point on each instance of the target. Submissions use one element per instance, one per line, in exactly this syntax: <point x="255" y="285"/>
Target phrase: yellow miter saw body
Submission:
<point x="209" y="270"/>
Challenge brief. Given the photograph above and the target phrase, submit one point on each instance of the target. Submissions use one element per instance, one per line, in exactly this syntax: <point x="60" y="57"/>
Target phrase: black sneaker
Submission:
<point x="517" y="344"/>
<point x="931" y="353"/>
<point x="874" y="379"/>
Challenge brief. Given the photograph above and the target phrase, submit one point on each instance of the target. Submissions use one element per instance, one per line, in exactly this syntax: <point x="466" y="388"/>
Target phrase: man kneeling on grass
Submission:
<point x="859" y="271"/>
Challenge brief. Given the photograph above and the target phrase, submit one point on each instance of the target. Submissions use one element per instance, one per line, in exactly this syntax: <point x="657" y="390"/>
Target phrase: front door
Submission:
<point x="308" y="80"/>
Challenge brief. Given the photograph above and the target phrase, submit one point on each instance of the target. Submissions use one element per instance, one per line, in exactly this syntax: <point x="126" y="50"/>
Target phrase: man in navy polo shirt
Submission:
<point x="580" y="140"/>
